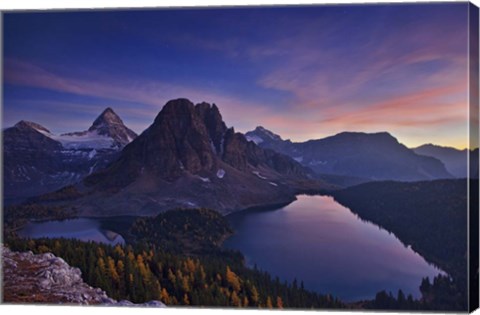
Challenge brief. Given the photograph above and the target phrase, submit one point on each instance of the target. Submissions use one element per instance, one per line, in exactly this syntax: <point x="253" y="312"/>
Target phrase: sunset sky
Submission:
<point x="302" y="72"/>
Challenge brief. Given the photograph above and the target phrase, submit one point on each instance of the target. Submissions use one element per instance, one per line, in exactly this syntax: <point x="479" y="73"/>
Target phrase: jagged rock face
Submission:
<point x="181" y="135"/>
<point x="216" y="128"/>
<point x="237" y="151"/>
<point x="45" y="278"/>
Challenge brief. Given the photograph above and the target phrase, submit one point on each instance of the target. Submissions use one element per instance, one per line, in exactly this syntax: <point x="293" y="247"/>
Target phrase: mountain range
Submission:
<point x="455" y="160"/>
<point x="37" y="161"/>
<point x="360" y="156"/>
<point x="189" y="158"/>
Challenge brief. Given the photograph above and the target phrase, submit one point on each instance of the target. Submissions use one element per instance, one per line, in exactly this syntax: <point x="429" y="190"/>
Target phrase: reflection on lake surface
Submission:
<point x="319" y="241"/>
<point x="82" y="229"/>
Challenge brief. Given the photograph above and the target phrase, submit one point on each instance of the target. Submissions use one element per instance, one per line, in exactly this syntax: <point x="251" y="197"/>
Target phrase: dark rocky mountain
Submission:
<point x="362" y="156"/>
<point x="189" y="158"/>
<point x="37" y="161"/>
<point x="110" y="125"/>
<point x="455" y="160"/>
<point x="26" y="135"/>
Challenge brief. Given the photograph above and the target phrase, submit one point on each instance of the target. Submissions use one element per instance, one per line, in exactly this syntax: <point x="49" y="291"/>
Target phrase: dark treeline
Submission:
<point x="143" y="273"/>
<point x="431" y="216"/>
<point x="16" y="216"/>
<point x="62" y="194"/>
<point x="440" y="294"/>
<point x="187" y="231"/>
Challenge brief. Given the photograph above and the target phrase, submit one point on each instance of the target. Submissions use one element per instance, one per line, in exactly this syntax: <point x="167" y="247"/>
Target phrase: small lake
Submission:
<point x="83" y="229"/>
<point x="319" y="241"/>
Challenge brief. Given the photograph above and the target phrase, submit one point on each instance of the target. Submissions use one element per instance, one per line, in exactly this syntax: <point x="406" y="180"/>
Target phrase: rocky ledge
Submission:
<point x="45" y="278"/>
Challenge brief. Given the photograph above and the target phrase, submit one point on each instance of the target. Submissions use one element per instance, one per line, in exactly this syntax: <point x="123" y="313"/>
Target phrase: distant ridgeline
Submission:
<point x="349" y="158"/>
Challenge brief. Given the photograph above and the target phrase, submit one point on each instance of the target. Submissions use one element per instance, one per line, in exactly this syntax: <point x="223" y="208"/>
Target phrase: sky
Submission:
<point x="302" y="72"/>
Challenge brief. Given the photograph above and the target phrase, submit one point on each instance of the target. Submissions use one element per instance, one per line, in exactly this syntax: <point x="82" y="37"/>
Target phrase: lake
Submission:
<point x="84" y="229"/>
<point x="319" y="241"/>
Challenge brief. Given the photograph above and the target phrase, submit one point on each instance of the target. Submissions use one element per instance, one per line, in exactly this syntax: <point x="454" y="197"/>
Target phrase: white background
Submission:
<point x="49" y="4"/>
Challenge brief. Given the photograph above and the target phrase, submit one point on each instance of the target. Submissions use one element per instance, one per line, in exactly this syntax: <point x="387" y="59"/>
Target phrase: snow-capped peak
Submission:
<point x="267" y="133"/>
<point x="107" y="131"/>
<point x="106" y="118"/>
<point x="111" y="125"/>
<point x="261" y="134"/>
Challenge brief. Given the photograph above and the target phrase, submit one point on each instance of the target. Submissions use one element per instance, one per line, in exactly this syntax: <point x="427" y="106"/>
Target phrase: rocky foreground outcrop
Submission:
<point x="45" y="278"/>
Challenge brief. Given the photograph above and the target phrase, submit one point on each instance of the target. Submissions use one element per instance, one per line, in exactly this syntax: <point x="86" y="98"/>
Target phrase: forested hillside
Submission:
<point x="431" y="216"/>
<point x="140" y="274"/>
<point x="187" y="231"/>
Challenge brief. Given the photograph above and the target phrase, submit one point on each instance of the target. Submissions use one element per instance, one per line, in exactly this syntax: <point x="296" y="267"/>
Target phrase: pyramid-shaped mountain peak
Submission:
<point x="107" y="117"/>
<point x="109" y="124"/>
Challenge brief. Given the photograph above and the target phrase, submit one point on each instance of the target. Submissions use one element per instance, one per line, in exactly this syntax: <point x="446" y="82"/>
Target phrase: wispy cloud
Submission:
<point x="303" y="75"/>
<point x="152" y="94"/>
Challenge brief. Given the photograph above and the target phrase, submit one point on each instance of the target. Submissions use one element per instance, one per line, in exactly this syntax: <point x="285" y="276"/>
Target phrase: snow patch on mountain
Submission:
<point x="190" y="204"/>
<point x="204" y="179"/>
<point x="267" y="133"/>
<point x="254" y="139"/>
<point x="214" y="150"/>
<point x="92" y="154"/>
<point x="220" y="173"/>
<point x="259" y="175"/>
<point x="316" y="162"/>
<point x="88" y="140"/>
